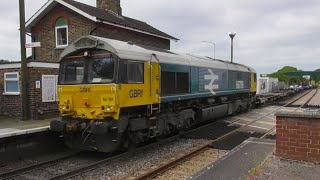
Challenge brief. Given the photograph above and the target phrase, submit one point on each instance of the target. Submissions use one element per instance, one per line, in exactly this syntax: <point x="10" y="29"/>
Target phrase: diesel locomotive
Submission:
<point x="113" y="94"/>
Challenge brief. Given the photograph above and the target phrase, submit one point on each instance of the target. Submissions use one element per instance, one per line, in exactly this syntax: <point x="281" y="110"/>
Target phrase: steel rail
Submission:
<point x="268" y="132"/>
<point x="23" y="170"/>
<point x="314" y="105"/>
<point x="175" y="162"/>
<point x="303" y="105"/>
<point x="17" y="172"/>
<point x="115" y="158"/>
<point x="90" y="167"/>
<point x="95" y="165"/>
<point x="274" y="127"/>
<point x="309" y="91"/>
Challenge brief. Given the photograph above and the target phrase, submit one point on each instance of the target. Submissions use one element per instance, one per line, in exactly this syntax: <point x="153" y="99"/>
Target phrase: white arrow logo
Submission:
<point x="211" y="86"/>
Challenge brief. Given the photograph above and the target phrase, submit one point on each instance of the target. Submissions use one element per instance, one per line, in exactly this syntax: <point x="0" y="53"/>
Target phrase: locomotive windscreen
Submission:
<point x="72" y="72"/>
<point x="101" y="70"/>
<point x="88" y="71"/>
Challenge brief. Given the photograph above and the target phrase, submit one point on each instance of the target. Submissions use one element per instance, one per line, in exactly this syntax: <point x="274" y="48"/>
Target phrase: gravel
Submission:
<point x="276" y="168"/>
<point x="53" y="169"/>
<point x="8" y="166"/>
<point x="142" y="162"/>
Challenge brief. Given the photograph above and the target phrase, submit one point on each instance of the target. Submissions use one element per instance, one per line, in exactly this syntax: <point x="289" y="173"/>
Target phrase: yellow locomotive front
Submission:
<point x="97" y="90"/>
<point x="87" y="88"/>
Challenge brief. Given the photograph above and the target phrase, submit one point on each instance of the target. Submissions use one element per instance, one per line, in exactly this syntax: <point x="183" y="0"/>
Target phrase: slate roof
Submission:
<point x="109" y="16"/>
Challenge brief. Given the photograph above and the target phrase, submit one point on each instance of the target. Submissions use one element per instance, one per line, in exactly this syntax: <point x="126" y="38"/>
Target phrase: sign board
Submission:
<point x="57" y="96"/>
<point x="38" y="84"/>
<point x="33" y="45"/>
<point x="48" y="88"/>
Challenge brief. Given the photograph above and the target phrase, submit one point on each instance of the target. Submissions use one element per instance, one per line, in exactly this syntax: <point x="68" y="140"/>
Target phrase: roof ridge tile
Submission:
<point x="125" y="21"/>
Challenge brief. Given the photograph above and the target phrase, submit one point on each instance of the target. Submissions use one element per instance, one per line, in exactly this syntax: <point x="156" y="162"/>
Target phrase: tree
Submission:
<point x="291" y="80"/>
<point x="2" y="61"/>
<point x="316" y="77"/>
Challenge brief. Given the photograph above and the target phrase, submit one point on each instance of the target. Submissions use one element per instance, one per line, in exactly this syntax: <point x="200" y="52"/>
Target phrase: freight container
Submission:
<point x="267" y="85"/>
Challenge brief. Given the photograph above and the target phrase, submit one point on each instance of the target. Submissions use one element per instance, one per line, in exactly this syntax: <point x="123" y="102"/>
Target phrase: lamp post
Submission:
<point x="232" y="34"/>
<point x="214" y="48"/>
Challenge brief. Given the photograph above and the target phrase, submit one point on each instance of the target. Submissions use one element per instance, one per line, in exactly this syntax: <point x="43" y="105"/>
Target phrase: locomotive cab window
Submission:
<point x="72" y="72"/>
<point x="132" y="72"/>
<point x="101" y="70"/>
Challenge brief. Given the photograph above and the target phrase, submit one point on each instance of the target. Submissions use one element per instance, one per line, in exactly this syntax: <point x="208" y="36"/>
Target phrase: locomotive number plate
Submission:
<point x="85" y="89"/>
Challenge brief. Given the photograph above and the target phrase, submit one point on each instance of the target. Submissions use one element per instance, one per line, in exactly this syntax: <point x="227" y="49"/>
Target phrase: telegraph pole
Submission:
<point x="24" y="70"/>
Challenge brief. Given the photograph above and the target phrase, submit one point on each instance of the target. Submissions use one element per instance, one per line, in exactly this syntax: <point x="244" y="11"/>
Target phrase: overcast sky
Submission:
<point x="270" y="33"/>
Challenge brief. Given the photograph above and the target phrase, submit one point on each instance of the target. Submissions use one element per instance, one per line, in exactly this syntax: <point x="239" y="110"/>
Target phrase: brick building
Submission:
<point x="55" y="25"/>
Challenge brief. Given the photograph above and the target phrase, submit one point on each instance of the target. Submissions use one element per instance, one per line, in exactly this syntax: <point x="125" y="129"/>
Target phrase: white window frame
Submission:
<point x="56" y="33"/>
<point x="11" y="79"/>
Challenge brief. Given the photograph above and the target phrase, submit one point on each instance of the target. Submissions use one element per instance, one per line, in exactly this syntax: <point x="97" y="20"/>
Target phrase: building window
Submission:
<point x="11" y="84"/>
<point x="61" y="33"/>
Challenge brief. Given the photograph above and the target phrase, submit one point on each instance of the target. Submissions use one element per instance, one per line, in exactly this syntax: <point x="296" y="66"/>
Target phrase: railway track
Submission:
<point x="23" y="173"/>
<point x="126" y="155"/>
<point x="309" y="96"/>
<point x="44" y="170"/>
<point x="16" y="172"/>
<point x="176" y="167"/>
<point x="304" y="101"/>
<point x="198" y="156"/>
<point x="315" y="101"/>
<point x="179" y="168"/>
<point x="52" y="169"/>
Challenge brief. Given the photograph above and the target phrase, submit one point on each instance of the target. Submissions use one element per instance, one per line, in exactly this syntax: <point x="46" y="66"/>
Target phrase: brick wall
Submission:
<point x="39" y="109"/>
<point x="10" y="104"/>
<point x="298" y="137"/>
<point x="44" y="32"/>
<point x="113" y="5"/>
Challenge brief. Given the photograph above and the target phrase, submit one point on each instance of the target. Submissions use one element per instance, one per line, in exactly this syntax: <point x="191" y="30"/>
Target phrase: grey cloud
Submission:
<point x="270" y="33"/>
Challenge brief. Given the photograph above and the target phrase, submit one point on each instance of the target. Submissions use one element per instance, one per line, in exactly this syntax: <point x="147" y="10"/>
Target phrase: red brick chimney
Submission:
<point x="113" y="5"/>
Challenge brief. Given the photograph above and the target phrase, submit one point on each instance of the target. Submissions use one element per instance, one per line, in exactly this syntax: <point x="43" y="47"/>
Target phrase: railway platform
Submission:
<point x="22" y="139"/>
<point x="239" y="161"/>
<point x="255" y="159"/>
<point x="10" y="127"/>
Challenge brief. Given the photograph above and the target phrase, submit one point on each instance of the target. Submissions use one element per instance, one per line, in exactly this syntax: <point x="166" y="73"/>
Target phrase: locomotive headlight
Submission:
<point x="66" y="101"/>
<point x="63" y="107"/>
<point x="107" y="108"/>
